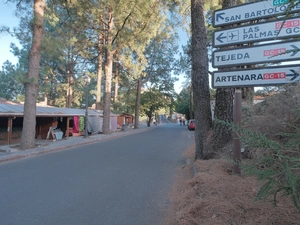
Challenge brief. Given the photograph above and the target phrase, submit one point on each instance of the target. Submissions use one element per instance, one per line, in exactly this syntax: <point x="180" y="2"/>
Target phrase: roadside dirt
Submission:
<point x="212" y="196"/>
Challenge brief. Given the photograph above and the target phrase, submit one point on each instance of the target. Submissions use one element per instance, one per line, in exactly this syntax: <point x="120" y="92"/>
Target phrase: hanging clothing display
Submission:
<point x="81" y="123"/>
<point x="76" y="124"/>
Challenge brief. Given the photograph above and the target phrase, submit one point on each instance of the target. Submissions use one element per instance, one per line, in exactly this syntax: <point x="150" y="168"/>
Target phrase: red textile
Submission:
<point x="76" y="124"/>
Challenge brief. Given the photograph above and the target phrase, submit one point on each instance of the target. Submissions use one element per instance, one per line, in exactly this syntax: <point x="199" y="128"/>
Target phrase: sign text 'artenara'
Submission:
<point x="274" y="52"/>
<point x="258" y="32"/>
<point x="252" y="11"/>
<point x="256" y="77"/>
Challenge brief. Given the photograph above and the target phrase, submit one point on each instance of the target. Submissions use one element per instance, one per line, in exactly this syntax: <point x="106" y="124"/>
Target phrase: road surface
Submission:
<point x="122" y="181"/>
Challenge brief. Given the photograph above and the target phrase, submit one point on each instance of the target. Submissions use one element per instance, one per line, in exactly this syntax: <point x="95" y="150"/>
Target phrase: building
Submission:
<point x="47" y="118"/>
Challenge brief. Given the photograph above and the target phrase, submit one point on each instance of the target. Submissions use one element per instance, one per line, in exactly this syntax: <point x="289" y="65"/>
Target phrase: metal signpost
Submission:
<point x="276" y="52"/>
<point x="273" y="52"/>
<point x="251" y="11"/>
<point x="256" y="77"/>
<point x="257" y="32"/>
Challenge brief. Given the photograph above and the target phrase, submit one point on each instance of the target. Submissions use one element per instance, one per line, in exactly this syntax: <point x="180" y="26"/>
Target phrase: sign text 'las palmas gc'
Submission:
<point x="256" y="77"/>
<point x="251" y="11"/>
<point x="274" y="52"/>
<point x="258" y="32"/>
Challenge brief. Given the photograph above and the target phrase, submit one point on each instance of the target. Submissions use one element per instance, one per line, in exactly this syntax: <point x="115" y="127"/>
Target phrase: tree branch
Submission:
<point x="121" y="27"/>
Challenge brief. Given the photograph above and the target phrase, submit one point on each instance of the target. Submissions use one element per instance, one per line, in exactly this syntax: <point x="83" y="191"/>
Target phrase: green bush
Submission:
<point x="275" y="163"/>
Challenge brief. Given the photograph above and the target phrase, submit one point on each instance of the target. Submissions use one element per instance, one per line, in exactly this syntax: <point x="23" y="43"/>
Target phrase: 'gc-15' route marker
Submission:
<point x="251" y="11"/>
<point x="256" y="77"/>
<point x="274" y="52"/>
<point x="257" y="32"/>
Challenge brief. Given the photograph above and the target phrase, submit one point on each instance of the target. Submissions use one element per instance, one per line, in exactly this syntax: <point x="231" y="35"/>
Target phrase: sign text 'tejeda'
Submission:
<point x="267" y="53"/>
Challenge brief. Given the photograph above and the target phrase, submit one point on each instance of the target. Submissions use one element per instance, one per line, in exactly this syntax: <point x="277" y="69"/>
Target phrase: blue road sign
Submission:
<point x="256" y="77"/>
<point x="267" y="53"/>
<point x="257" y="32"/>
<point x="252" y="11"/>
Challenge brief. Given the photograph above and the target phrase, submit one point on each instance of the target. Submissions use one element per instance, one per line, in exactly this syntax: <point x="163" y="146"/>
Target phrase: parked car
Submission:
<point x="191" y="125"/>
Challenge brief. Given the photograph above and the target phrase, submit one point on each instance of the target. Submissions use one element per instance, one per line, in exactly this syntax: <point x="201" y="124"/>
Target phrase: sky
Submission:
<point x="7" y="18"/>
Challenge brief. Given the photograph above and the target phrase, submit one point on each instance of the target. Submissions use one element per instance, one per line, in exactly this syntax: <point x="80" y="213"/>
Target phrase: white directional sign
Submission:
<point x="257" y="32"/>
<point x="251" y="11"/>
<point x="275" y="52"/>
<point x="256" y="77"/>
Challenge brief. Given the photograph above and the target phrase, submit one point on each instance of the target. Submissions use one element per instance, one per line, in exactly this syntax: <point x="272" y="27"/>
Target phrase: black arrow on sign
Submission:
<point x="294" y="51"/>
<point x="220" y="37"/>
<point x="219" y="16"/>
<point x="294" y="75"/>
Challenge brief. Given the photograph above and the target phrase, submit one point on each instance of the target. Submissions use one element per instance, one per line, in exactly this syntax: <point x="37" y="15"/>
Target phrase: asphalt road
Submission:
<point x="122" y="181"/>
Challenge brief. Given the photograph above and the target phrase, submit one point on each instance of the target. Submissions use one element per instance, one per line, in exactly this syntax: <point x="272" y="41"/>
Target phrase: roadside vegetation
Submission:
<point x="267" y="191"/>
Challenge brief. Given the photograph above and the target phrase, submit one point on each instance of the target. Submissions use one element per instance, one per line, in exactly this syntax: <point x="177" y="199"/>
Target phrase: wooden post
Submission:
<point x="237" y="122"/>
<point x="67" y="127"/>
<point x="9" y="130"/>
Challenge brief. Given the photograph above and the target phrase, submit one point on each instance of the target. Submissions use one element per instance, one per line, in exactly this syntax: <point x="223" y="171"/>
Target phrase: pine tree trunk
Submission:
<point x="108" y="77"/>
<point x="223" y="111"/>
<point x="116" y="87"/>
<point x="138" y="104"/>
<point x="192" y="114"/>
<point x="46" y="94"/>
<point x="200" y="84"/>
<point x="223" y="108"/>
<point x="31" y="85"/>
<point x="107" y="94"/>
<point x="99" y="73"/>
<point x="70" y="87"/>
<point x="149" y="121"/>
<point x="248" y="94"/>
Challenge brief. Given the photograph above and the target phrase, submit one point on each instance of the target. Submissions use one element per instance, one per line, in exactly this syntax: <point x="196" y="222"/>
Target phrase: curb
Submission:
<point x="93" y="139"/>
<point x="188" y="162"/>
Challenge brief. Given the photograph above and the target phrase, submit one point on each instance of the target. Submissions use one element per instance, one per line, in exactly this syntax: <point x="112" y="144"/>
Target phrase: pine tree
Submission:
<point x="200" y="85"/>
<point x="31" y="84"/>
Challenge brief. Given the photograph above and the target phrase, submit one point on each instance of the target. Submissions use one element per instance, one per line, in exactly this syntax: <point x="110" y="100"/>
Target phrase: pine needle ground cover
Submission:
<point x="216" y="197"/>
<point x="267" y="192"/>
